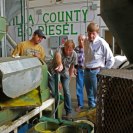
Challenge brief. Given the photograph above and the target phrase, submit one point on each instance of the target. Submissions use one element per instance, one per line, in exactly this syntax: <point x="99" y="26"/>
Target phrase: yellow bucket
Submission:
<point x="69" y="129"/>
<point x="46" y="127"/>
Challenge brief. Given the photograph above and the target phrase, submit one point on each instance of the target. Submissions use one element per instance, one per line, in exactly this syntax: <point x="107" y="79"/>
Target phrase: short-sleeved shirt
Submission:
<point x="27" y="48"/>
<point x="66" y="61"/>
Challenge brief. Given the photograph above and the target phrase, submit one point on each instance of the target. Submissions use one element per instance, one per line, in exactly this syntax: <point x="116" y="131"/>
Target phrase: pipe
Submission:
<point x="11" y="41"/>
<point x="70" y="3"/>
<point x="117" y="14"/>
<point x="24" y="3"/>
<point x="27" y="9"/>
<point x="22" y="20"/>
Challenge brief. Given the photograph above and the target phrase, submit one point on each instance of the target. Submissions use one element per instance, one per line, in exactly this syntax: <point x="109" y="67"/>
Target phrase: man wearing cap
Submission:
<point x="31" y="47"/>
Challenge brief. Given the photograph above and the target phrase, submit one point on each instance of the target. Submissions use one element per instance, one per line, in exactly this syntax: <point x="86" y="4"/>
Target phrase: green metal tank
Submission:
<point x="117" y="14"/>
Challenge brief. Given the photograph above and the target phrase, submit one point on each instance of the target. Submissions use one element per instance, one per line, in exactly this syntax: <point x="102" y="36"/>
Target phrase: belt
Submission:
<point x="95" y="68"/>
<point x="81" y="67"/>
<point x="78" y="66"/>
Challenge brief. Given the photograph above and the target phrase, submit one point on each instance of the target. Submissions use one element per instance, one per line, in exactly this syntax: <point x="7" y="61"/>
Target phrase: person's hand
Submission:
<point x="59" y="68"/>
<point x="71" y="72"/>
<point x="16" y="56"/>
<point x="82" y="41"/>
<point x="60" y="86"/>
<point x="37" y="55"/>
<point x="75" y="72"/>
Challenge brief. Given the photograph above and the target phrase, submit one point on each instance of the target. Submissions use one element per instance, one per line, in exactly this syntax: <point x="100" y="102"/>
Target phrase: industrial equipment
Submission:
<point x="115" y="92"/>
<point x="23" y="83"/>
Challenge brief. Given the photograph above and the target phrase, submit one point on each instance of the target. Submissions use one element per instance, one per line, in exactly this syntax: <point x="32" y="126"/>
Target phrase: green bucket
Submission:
<point x="69" y="129"/>
<point x="46" y="127"/>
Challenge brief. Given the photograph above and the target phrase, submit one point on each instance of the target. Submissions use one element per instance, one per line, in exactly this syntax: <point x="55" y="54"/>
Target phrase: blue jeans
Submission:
<point x="65" y="80"/>
<point x="80" y="86"/>
<point x="90" y="78"/>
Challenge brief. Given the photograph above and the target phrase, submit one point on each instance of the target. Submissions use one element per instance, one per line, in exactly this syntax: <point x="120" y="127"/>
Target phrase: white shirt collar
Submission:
<point x="96" y="39"/>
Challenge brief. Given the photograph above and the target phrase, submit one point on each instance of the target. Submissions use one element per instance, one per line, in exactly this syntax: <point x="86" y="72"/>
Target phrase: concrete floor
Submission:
<point x="73" y="90"/>
<point x="74" y="97"/>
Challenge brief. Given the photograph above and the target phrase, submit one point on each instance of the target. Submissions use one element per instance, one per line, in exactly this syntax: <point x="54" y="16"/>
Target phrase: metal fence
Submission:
<point x="115" y="102"/>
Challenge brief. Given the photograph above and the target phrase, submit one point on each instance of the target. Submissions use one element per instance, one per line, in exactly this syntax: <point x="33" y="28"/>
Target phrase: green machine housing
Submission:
<point x="23" y="83"/>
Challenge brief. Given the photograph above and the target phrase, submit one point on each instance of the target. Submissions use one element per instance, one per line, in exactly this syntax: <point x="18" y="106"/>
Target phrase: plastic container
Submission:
<point x="86" y="125"/>
<point x="46" y="127"/>
<point x="69" y="129"/>
<point x="24" y="128"/>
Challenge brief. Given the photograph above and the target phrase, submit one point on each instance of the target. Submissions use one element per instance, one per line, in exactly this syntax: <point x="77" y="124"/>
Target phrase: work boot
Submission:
<point x="79" y="109"/>
<point x="68" y="116"/>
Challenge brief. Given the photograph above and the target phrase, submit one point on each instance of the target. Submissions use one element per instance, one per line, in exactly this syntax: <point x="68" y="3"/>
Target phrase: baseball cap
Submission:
<point x="40" y="33"/>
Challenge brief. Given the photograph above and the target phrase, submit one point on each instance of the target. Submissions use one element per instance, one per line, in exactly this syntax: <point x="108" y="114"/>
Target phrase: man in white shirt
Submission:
<point x="98" y="55"/>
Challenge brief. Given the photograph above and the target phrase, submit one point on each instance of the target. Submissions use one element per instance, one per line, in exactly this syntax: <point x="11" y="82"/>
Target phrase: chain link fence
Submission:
<point x="115" y="101"/>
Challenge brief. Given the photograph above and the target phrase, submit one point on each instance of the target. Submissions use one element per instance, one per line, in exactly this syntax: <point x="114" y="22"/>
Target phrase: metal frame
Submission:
<point x="3" y="41"/>
<point x="15" y="124"/>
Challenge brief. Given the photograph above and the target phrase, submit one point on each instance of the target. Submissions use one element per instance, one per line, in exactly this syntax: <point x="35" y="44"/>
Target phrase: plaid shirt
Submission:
<point x="80" y="56"/>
